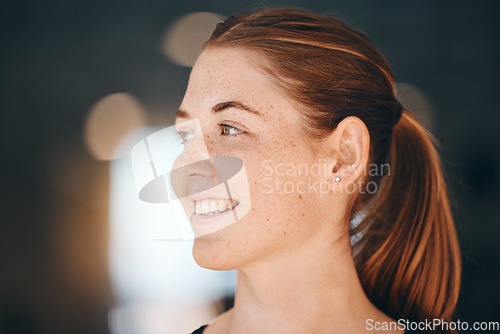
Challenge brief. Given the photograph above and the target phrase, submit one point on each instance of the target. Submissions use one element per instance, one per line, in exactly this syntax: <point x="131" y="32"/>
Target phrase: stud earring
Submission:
<point x="337" y="179"/>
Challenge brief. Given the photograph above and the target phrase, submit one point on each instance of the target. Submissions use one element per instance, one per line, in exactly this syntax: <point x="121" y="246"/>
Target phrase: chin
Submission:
<point x="214" y="253"/>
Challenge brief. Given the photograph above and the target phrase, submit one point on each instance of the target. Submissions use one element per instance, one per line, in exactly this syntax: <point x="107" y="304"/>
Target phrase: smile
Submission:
<point x="212" y="207"/>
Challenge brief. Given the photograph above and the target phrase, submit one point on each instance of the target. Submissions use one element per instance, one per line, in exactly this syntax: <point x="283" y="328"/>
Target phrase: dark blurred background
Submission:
<point x="59" y="57"/>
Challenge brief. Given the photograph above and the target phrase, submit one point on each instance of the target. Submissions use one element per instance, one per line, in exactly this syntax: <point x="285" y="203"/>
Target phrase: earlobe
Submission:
<point x="350" y="143"/>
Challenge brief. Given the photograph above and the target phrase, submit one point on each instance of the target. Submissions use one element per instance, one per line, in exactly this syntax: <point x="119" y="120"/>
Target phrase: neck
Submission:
<point x="311" y="289"/>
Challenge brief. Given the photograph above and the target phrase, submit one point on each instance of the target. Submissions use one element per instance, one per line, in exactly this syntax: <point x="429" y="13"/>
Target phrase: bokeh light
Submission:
<point x="185" y="37"/>
<point x="110" y="120"/>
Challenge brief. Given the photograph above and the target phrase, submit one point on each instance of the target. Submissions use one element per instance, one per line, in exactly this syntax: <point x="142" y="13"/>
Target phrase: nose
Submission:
<point x="193" y="169"/>
<point x="194" y="161"/>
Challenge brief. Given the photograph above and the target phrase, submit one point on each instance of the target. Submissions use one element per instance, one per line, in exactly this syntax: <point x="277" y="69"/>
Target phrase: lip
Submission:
<point x="203" y="219"/>
<point x="202" y="196"/>
<point x="203" y="224"/>
<point x="235" y="202"/>
<point x="212" y="196"/>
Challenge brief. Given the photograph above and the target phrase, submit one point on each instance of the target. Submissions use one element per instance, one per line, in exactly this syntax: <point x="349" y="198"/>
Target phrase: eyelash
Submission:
<point x="184" y="134"/>
<point x="222" y="125"/>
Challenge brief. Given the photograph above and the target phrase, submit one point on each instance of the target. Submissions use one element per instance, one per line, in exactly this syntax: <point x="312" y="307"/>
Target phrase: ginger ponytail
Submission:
<point x="409" y="259"/>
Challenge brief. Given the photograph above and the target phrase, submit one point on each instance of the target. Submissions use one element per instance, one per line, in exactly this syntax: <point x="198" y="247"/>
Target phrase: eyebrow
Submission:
<point x="221" y="107"/>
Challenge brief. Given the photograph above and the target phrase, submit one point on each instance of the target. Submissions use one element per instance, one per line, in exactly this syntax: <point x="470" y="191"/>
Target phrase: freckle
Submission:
<point x="269" y="229"/>
<point x="284" y="233"/>
<point x="267" y="219"/>
<point x="300" y="196"/>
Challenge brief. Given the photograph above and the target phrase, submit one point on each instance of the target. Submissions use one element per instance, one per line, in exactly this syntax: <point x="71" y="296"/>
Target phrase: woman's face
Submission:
<point x="284" y="201"/>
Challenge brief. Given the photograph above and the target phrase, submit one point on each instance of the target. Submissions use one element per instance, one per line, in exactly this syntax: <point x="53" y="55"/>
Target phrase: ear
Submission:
<point x="348" y="146"/>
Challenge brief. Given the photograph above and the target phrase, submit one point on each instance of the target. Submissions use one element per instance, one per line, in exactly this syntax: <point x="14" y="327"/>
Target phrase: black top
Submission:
<point x="202" y="328"/>
<point x="199" y="330"/>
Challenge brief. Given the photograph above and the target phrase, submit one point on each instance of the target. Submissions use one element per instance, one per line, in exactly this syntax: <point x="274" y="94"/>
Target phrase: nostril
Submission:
<point x="203" y="168"/>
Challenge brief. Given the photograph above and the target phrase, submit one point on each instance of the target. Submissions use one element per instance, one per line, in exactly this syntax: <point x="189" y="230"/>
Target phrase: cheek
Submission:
<point x="277" y="202"/>
<point x="282" y="197"/>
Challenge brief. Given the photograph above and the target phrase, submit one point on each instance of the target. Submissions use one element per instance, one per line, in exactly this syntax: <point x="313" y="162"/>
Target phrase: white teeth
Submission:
<point x="222" y="205"/>
<point x="205" y="207"/>
<point x="213" y="206"/>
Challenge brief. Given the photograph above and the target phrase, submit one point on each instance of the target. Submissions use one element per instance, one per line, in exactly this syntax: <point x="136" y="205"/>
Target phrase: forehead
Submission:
<point x="230" y="74"/>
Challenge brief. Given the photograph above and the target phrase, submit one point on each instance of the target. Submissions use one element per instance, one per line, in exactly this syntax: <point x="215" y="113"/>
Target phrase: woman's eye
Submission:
<point x="185" y="136"/>
<point x="228" y="130"/>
